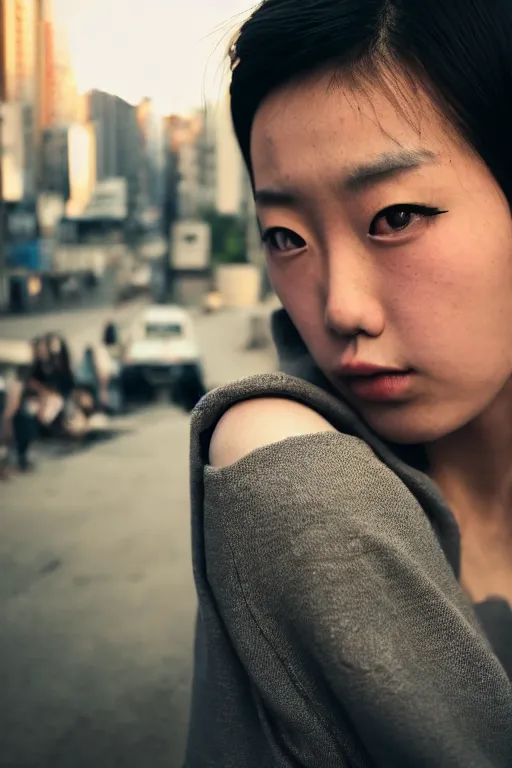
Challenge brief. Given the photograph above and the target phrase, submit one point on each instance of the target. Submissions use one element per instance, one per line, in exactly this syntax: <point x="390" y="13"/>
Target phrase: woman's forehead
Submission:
<point x="315" y="124"/>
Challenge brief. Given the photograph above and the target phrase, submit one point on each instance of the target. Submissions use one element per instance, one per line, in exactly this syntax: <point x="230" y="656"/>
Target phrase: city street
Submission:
<point x="105" y="194"/>
<point x="80" y="320"/>
<point x="96" y="595"/>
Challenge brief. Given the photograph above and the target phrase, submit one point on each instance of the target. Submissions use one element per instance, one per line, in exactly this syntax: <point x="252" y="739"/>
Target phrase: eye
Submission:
<point x="398" y="218"/>
<point x="282" y="240"/>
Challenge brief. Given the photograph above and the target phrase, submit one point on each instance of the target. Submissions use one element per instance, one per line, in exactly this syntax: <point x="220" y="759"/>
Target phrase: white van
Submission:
<point x="160" y="351"/>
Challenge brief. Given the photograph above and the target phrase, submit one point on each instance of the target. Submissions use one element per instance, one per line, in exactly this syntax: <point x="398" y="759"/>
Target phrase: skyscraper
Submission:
<point x="119" y="143"/>
<point x="19" y="50"/>
<point x="66" y="100"/>
<point x="230" y="169"/>
<point x="152" y="154"/>
<point x="19" y="86"/>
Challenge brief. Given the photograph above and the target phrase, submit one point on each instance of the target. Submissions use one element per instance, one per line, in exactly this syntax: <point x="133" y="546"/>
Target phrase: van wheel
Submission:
<point x="190" y="387"/>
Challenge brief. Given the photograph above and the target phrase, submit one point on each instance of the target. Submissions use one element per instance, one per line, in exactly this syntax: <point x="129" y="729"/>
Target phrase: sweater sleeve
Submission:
<point x="348" y="621"/>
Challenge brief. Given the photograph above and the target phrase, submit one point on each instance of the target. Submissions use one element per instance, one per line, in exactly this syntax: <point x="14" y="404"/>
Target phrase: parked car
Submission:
<point x="161" y="353"/>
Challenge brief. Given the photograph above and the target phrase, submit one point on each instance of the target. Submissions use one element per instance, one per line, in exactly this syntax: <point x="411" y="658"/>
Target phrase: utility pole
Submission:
<point x="171" y="206"/>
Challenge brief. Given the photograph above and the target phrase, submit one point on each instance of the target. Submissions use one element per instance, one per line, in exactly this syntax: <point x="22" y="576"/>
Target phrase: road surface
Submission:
<point x="221" y="337"/>
<point x="97" y="602"/>
<point x="81" y="326"/>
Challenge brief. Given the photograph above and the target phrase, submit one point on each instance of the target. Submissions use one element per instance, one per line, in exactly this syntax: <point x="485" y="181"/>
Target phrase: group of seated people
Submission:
<point x="49" y="401"/>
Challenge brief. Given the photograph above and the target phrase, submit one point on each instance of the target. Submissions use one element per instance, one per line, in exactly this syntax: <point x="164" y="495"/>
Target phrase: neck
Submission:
<point x="473" y="466"/>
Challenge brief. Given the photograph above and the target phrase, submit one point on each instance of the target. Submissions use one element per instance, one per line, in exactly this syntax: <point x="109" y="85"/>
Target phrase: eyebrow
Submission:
<point x="358" y="178"/>
<point x="386" y="166"/>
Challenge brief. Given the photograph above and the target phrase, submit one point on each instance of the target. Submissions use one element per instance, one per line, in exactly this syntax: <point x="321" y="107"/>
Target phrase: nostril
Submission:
<point x="352" y="318"/>
<point x="343" y="319"/>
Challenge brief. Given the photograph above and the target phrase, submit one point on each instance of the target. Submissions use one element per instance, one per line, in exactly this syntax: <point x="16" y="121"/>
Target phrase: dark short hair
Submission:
<point x="459" y="51"/>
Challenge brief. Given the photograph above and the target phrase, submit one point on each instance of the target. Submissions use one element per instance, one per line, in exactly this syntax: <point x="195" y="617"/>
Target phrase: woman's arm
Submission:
<point x="254" y="424"/>
<point x="36" y="386"/>
<point x="339" y="602"/>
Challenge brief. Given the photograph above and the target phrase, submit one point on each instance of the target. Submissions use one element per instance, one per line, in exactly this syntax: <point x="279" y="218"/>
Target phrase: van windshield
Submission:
<point x="163" y="330"/>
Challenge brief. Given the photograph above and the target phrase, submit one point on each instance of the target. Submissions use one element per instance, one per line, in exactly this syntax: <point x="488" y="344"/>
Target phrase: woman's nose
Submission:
<point x="351" y="306"/>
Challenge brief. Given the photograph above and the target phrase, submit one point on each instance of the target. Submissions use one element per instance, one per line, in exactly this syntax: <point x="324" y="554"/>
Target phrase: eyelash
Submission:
<point x="424" y="211"/>
<point x="267" y="235"/>
<point x="411" y="208"/>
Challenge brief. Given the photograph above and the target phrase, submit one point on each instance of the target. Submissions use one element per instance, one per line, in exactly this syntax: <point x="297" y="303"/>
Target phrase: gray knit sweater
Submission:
<point x="332" y="630"/>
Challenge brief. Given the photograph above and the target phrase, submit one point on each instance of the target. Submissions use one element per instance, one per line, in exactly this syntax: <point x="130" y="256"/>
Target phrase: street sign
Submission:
<point x="190" y="246"/>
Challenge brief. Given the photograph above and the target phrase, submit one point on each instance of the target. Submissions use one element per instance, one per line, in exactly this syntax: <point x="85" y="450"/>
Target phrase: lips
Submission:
<point x="376" y="383"/>
<point x="380" y="388"/>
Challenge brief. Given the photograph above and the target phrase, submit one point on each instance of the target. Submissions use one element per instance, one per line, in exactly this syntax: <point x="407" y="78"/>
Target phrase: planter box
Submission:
<point x="238" y="284"/>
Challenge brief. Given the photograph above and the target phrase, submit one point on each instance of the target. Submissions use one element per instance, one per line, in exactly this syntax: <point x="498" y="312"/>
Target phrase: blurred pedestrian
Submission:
<point x="61" y="378"/>
<point x="110" y="336"/>
<point x="26" y="401"/>
<point x="352" y="516"/>
<point x="38" y="407"/>
<point x="95" y="377"/>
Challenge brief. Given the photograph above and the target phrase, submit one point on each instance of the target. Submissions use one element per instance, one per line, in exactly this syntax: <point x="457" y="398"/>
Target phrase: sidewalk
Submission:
<point x="222" y="340"/>
<point x="97" y="605"/>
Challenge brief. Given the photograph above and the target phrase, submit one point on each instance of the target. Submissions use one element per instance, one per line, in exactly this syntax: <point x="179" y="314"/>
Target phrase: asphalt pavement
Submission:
<point x="81" y="325"/>
<point x="97" y="602"/>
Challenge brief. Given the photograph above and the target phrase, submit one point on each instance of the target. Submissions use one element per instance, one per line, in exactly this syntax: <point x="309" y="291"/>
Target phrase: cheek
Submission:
<point x="298" y="286"/>
<point x="451" y="303"/>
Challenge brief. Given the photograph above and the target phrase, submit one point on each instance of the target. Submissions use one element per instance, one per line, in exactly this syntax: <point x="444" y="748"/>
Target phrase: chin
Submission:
<point x="406" y="425"/>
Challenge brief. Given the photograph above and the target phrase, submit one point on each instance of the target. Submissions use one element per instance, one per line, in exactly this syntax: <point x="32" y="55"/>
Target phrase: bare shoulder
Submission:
<point x="256" y="423"/>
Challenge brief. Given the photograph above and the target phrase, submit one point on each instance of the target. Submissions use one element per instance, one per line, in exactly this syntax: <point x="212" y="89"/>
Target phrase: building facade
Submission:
<point x="19" y="50"/>
<point x="207" y="161"/>
<point x="118" y="140"/>
<point x="152" y="153"/>
<point x="231" y="173"/>
<point x="118" y="143"/>
<point x="19" y="95"/>
<point x="181" y="142"/>
<point x="66" y="99"/>
<point x="45" y="67"/>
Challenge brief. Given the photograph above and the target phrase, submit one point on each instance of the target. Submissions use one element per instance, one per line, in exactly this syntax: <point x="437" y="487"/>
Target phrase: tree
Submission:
<point x="228" y="238"/>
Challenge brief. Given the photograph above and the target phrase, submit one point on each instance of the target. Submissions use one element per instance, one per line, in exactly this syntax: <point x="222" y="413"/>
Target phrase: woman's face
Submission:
<point x="41" y="351"/>
<point x="55" y="345"/>
<point x="389" y="243"/>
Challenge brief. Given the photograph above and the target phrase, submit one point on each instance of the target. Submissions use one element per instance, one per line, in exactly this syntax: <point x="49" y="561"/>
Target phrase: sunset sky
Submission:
<point x="170" y="50"/>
